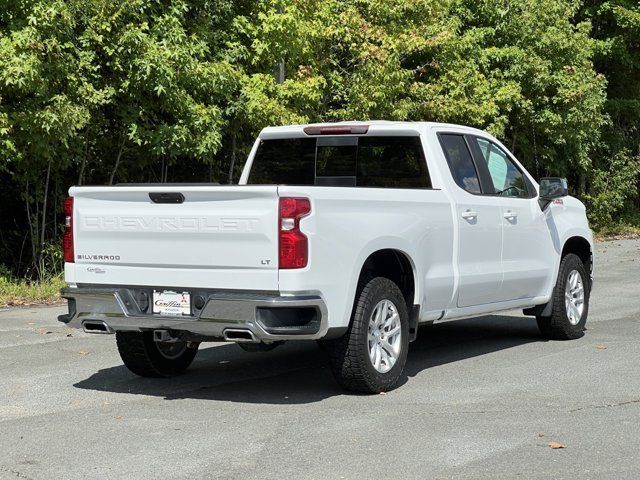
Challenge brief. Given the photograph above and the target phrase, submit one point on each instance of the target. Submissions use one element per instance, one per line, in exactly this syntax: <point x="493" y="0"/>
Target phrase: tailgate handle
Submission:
<point x="166" y="197"/>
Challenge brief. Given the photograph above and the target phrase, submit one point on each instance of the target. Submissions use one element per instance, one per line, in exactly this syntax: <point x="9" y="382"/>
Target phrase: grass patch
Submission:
<point x="15" y="292"/>
<point x="627" y="226"/>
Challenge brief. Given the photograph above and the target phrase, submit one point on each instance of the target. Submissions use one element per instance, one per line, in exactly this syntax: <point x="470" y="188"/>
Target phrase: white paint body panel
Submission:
<point x="225" y="237"/>
<point x="220" y="237"/>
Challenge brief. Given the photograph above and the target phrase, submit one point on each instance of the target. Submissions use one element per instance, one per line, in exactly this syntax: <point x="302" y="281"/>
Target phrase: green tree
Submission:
<point x="615" y="178"/>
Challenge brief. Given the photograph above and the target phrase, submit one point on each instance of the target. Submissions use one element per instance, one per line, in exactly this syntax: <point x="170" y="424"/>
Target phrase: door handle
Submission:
<point x="509" y="215"/>
<point x="468" y="214"/>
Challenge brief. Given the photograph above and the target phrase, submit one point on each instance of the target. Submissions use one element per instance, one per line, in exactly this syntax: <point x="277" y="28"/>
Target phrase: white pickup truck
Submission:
<point x="349" y="233"/>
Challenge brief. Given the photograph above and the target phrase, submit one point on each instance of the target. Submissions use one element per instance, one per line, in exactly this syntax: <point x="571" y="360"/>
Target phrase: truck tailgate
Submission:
<point x="218" y="237"/>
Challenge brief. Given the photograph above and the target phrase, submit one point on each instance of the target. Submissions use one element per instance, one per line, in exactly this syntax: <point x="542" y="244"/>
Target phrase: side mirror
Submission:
<point x="553" y="187"/>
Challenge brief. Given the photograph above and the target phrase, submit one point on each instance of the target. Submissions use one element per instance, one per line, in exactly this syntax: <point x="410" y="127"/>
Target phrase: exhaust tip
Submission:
<point x="96" y="326"/>
<point x="239" y="335"/>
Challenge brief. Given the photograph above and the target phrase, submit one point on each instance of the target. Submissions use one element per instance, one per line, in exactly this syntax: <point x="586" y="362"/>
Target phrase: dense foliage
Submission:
<point x="95" y="91"/>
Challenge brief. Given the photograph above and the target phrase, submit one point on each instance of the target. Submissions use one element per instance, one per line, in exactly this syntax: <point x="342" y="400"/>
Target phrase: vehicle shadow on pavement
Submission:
<point x="298" y="373"/>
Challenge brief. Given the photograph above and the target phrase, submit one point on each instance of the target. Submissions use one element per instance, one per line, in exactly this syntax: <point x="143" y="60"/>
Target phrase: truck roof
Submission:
<point x="375" y="126"/>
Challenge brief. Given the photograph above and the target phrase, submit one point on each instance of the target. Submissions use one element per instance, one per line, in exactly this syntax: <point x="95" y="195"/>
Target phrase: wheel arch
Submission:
<point x="397" y="266"/>
<point x="581" y="247"/>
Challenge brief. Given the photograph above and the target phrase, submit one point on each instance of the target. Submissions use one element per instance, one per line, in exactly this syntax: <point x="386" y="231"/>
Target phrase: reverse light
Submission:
<point x="293" y="244"/>
<point x="67" y="236"/>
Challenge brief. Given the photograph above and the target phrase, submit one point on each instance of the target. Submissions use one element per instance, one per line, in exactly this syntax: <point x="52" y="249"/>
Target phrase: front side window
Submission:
<point x="460" y="161"/>
<point x="367" y="161"/>
<point x="507" y="180"/>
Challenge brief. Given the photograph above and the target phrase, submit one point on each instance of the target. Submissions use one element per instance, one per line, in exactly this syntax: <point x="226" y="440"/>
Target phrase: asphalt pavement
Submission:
<point x="483" y="398"/>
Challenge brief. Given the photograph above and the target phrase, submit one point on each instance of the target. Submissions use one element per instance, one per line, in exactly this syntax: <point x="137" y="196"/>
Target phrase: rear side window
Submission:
<point x="460" y="162"/>
<point x="396" y="162"/>
<point x="376" y="161"/>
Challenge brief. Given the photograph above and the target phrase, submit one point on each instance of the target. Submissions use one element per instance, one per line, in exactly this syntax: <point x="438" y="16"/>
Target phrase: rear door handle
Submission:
<point x="468" y="214"/>
<point x="509" y="215"/>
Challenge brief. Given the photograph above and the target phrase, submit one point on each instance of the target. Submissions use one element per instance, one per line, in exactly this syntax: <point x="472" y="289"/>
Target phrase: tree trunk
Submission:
<point x="85" y="158"/>
<point x="32" y="230"/>
<point x="44" y="207"/>
<point x="233" y="157"/>
<point x="115" y="167"/>
<point x="43" y="227"/>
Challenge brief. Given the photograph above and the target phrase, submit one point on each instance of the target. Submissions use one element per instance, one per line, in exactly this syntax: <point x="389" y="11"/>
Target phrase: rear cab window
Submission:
<point x="349" y="161"/>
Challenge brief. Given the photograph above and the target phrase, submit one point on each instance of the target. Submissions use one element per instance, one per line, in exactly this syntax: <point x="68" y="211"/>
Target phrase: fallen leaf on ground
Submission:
<point x="83" y="352"/>
<point x="556" y="445"/>
<point x="541" y="434"/>
<point x="601" y="347"/>
<point x="118" y="417"/>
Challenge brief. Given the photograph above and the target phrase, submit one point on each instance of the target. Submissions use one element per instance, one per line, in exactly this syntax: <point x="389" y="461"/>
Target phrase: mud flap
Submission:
<point x="544" y="310"/>
<point x="414" y="316"/>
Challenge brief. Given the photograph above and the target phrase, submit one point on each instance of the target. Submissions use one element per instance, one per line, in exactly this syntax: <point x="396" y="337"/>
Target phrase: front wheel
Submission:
<point x="570" y="302"/>
<point x="371" y="356"/>
<point x="145" y="357"/>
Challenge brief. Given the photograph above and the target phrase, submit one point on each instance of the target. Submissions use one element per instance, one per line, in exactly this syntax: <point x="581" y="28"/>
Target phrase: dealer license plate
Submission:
<point x="168" y="302"/>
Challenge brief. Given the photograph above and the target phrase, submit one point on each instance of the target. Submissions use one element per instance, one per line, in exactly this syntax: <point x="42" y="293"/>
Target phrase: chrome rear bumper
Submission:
<point x="117" y="308"/>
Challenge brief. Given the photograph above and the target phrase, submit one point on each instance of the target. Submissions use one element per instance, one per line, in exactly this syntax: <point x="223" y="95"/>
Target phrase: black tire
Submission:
<point x="142" y="355"/>
<point x="349" y="354"/>
<point x="557" y="326"/>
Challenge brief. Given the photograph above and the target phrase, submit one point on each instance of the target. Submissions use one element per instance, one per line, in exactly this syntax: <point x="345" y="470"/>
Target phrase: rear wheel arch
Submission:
<point x="398" y="267"/>
<point x="395" y="265"/>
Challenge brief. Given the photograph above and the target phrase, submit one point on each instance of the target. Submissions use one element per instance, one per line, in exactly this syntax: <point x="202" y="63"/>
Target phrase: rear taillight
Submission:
<point x="294" y="247"/>
<point x="67" y="236"/>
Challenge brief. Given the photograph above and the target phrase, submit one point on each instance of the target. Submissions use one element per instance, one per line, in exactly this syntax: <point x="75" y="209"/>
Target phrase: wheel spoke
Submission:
<point x="382" y="311"/>
<point x="393" y="331"/>
<point x="574" y="310"/>
<point x="384" y="356"/>
<point x="391" y="320"/>
<point x="372" y="352"/>
<point x="378" y="356"/>
<point x="390" y="348"/>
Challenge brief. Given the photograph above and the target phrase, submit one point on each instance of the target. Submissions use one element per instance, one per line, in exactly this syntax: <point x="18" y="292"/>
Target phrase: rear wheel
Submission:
<point x="148" y="358"/>
<point x="570" y="302"/>
<point x="371" y="356"/>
